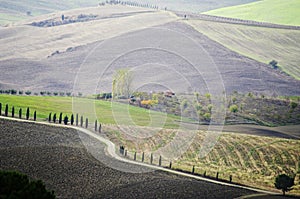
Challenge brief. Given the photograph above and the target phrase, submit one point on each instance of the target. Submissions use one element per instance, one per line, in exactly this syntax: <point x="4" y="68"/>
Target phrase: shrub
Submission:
<point x="66" y="119"/>
<point x="234" y="108"/>
<point x="17" y="185"/>
<point x="273" y="63"/>
<point x="207" y="116"/>
<point x="293" y="105"/>
<point x="284" y="182"/>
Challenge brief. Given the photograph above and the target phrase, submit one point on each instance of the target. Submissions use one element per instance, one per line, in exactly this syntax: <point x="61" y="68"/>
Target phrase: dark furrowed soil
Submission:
<point x="57" y="156"/>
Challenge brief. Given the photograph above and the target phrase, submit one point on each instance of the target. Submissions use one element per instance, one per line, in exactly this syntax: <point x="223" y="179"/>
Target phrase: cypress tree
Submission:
<point x="159" y="161"/>
<point x="0" y="108"/>
<point x="49" y="118"/>
<point x="13" y="112"/>
<point x="34" y="116"/>
<point x="27" y="113"/>
<point x="100" y="128"/>
<point x="81" y="121"/>
<point x="6" y="110"/>
<point x="95" y="125"/>
<point x="72" y="119"/>
<point x="86" y="122"/>
<point x="66" y="119"/>
<point x="54" y="118"/>
<point x="77" y="119"/>
<point x="20" y="113"/>
<point x="60" y="118"/>
<point x="143" y="156"/>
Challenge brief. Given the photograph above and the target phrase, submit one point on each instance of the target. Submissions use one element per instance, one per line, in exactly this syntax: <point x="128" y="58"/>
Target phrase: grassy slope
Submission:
<point x="16" y="10"/>
<point x="273" y="11"/>
<point x="124" y="114"/>
<point x="251" y="160"/>
<point x="262" y="44"/>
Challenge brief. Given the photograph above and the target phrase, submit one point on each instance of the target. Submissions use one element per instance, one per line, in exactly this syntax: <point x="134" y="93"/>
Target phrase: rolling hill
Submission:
<point x="272" y="11"/>
<point x="14" y="11"/>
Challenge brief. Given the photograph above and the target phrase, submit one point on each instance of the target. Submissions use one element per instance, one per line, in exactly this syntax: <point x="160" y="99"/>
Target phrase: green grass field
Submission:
<point x="261" y="44"/>
<point x="105" y="111"/>
<point x="272" y="11"/>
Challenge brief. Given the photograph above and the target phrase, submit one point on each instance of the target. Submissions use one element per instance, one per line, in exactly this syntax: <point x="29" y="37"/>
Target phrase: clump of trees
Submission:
<point x="17" y="185"/>
<point x="284" y="183"/>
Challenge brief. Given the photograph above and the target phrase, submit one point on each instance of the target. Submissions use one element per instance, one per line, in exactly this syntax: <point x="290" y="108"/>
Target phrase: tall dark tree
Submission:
<point x="49" y="118"/>
<point x="86" y="122"/>
<point x="60" y="118"/>
<point x="100" y="128"/>
<point x="34" y="116"/>
<point x="13" y="112"/>
<point x="96" y="125"/>
<point x="284" y="182"/>
<point x="27" y="113"/>
<point x="77" y="119"/>
<point x="66" y="119"/>
<point x="81" y="121"/>
<point x="72" y="119"/>
<point x="54" y="118"/>
<point x="6" y="110"/>
<point x="0" y="108"/>
<point x="20" y="113"/>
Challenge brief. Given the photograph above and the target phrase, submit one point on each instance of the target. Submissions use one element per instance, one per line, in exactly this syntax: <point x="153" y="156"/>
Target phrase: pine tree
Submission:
<point x="20" y="113"/>
<point x="0" y="108"/>
<point x="81" y="121"/>
<point x="77" y="119"/>
<point x="34" y="116"/>
<point x="86" y="122"/>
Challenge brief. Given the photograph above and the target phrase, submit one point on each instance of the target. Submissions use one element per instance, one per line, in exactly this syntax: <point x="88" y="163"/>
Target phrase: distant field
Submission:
<point x="262" y="44"/>
<point x="272" y="11"/>
<point x="16" y="10"/>
<point x="103" y="109"/>
<point x="251" y="160"/>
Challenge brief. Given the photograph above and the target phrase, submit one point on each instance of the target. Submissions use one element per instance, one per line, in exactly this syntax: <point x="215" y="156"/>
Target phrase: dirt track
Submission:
<point x="57" y="156"/>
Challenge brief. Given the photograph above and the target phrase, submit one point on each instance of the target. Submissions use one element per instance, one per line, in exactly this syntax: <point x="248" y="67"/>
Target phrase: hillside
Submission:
<point x="59" y="157"/>
<point x="272" y="11"/>
<point x="14" y="11"/>
<point x="259" y="43"/>
<point x="52" y="58"/>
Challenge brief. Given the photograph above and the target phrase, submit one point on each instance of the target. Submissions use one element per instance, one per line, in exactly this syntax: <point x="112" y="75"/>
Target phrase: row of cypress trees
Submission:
<point x="53" y="118"/>
<point x="27" y="116"/>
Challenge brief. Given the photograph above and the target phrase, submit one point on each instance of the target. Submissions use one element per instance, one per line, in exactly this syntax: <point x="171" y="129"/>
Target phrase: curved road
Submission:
<point x="111" y="151"/>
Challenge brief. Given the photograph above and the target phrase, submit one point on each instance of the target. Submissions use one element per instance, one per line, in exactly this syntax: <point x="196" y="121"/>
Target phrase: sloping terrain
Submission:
<point x="259" y="43"/>
<point x="51" y="58"/>
<point x="14" y="11"/>
<point x="272" y="11"/>
<point x="58" y="157"/>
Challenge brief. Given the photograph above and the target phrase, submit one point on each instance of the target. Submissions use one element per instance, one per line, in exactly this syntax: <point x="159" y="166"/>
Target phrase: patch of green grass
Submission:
<point x="272" y="11"/>
<point x="105" y="111"/>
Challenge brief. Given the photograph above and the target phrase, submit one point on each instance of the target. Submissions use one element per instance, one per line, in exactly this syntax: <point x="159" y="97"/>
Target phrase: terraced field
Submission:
<point x="251" y="160"/>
